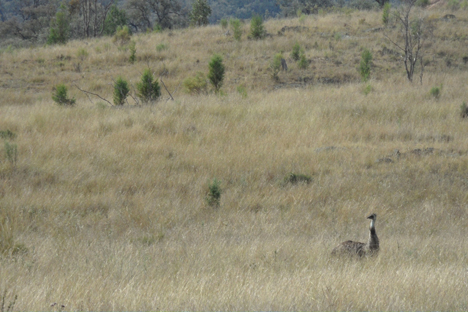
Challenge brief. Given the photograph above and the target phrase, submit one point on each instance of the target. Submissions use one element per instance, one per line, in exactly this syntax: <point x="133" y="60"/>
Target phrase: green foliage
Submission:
<point x="82" y="54"/>
<point x="386" y="13"/>
<point x="296" y="52"/>
<point x="132" y="48"/>
<point x="224" y="23"/>
<point x="365" y="65"/>
<point x="7" y="134"/>
<point x="302" y="63"/>
<point x="157" y="28"/>
<point x="60" y="27"/>
<point x="59" y="95"/>
<point x="213" y="196"/>
<point x="216" y="71"/>
<point x="148" y="88"/>
<point x="115" y="18"/>
<point x="201" y="10"/>
<point x="367" y="89"/>
<point x="236" y="27"/>
<point x="121" y="90"/>
<point x="435" y="92"/>
<point x="11" y="153"/>
<point x="295" y="178"/>
<point x="242" y="91"/>
<point x="196" y="84"/>
<point x="257" y="30"/>
<point x="453" y="5"/>
<point x="161" y="47"/>
<point x="122" y="35"/>
<point x="464" y="110"/>
<point x="275" y="66"/>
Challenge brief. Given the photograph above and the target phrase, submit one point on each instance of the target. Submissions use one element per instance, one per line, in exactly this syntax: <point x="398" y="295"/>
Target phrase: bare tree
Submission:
<point x="412" y="34"/>
<point x="93" y="15"/>
<point x="166" y="13"/>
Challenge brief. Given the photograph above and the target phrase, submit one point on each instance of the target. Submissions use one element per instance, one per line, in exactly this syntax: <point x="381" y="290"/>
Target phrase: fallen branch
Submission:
<point x="166" y="88"/>
<point x="87" y="92"/>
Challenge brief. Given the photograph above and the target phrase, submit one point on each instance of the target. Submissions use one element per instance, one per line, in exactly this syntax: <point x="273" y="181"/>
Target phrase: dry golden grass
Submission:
<point x="105" y="208"/>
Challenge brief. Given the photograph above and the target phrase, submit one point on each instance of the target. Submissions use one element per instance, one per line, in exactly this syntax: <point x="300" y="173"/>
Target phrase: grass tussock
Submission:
<point x="109" y="208"/>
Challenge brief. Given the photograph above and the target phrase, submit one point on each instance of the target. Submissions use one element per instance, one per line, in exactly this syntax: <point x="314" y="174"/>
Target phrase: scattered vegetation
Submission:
<point x="236" y="27"/>
<point x="275" y="66"/>
<point x="213" y="196"/>
<point x="386" y="13"/>
<point x="196" y="84"/>
<point x="216" y="72"/>
<point x="257" y="30"/>
<point x="122" y="35"/>
<point x="296" y="52"/>
<point x="365" y="65"/>
<point x="60" y="95"/>
<point x="435" y="92"/>
<point x="121" y="91"/>
<point x="464" y="110"/>
<point x="132" y="48"/>
<point x="148" y="88"/>
<point x="295" y="178"/>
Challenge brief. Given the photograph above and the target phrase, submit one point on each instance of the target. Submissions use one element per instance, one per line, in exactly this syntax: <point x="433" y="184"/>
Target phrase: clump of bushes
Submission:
<point x="59" y="95"/>
<point x="196" y="84"/>
<point x="275" y="66"/>
<point x="295" y="178"/>
<point x="122" y="35"/>
<point x="464" y="110"/>
<point x="216" y="72"/>
<point x="148" y="88"/>
<point x="257" y="30"/>
<point x="236" y="28"/>
<point x="435" y="92"/>
<point x="213" y="195"/>
<point x="365" y="65"/>
<point x="121" y="91"/>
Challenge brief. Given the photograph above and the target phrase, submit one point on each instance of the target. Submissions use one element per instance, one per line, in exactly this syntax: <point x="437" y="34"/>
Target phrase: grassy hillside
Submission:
<point x="104" y="208"/>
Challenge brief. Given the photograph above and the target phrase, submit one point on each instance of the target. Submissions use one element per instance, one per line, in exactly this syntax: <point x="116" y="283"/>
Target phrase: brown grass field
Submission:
<point x="104" y="208"/>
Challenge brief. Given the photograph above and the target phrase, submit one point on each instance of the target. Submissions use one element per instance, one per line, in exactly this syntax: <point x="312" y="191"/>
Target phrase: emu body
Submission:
<point x="351" y="248"/>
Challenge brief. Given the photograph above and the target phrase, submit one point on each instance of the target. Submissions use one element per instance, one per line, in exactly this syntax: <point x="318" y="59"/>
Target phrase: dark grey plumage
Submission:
<point x="351" y="248"/>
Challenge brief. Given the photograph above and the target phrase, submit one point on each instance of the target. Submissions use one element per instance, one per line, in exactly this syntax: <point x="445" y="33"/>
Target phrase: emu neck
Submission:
<point x="373" y="243"/>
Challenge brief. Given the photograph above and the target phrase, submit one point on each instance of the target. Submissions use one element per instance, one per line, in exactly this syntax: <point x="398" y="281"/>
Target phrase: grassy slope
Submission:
<point x="110" y="202"/>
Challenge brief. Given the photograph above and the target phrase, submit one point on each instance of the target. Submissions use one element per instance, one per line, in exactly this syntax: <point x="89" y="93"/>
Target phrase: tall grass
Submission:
<point x="110" y="204"/>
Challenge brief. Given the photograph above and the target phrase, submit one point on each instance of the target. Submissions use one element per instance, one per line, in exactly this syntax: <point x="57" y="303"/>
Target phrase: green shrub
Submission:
<point x="161" y="47"/>
<point x="201" y="10"/>
<point x="236" y="27"/>
<point x="224" y="23"/>
<point x="422" y="3"/>
<point x="257" y="30"/>
<point x="295" y="178"/>
<point x="302" y="63"/>
<point x="275" y="66"/>
<point x="60" y="27"/>
<point x="365" y="65"/>
<point x="11" y="153"/>
<point x="121" y="91"/>
<point x="296" y="52"/>
<point x="59" y="95"/>
<point x="196" y="84"/>
<point x="435" y="92"/>
<point x="7" y="135"/>
<point x="148" y="88"/>
<point x="82" y="54"/>
<point x="157" y="28"/>
<point x="453" y="5"/>
<point x="115" y="18"/>
<point x="242" y="91"/>
<point x="132" y="48"/>
<point x="213" y="196"/>
<point x="216" y="72"/>
<point x="464" y="110"/>
<point x="386" y="13"/>
<point x="367" y="89"/>
<point x="122" y="35"/>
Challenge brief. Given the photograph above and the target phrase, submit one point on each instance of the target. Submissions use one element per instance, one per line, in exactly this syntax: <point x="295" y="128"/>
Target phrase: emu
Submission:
<point x="351" y="248"/>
